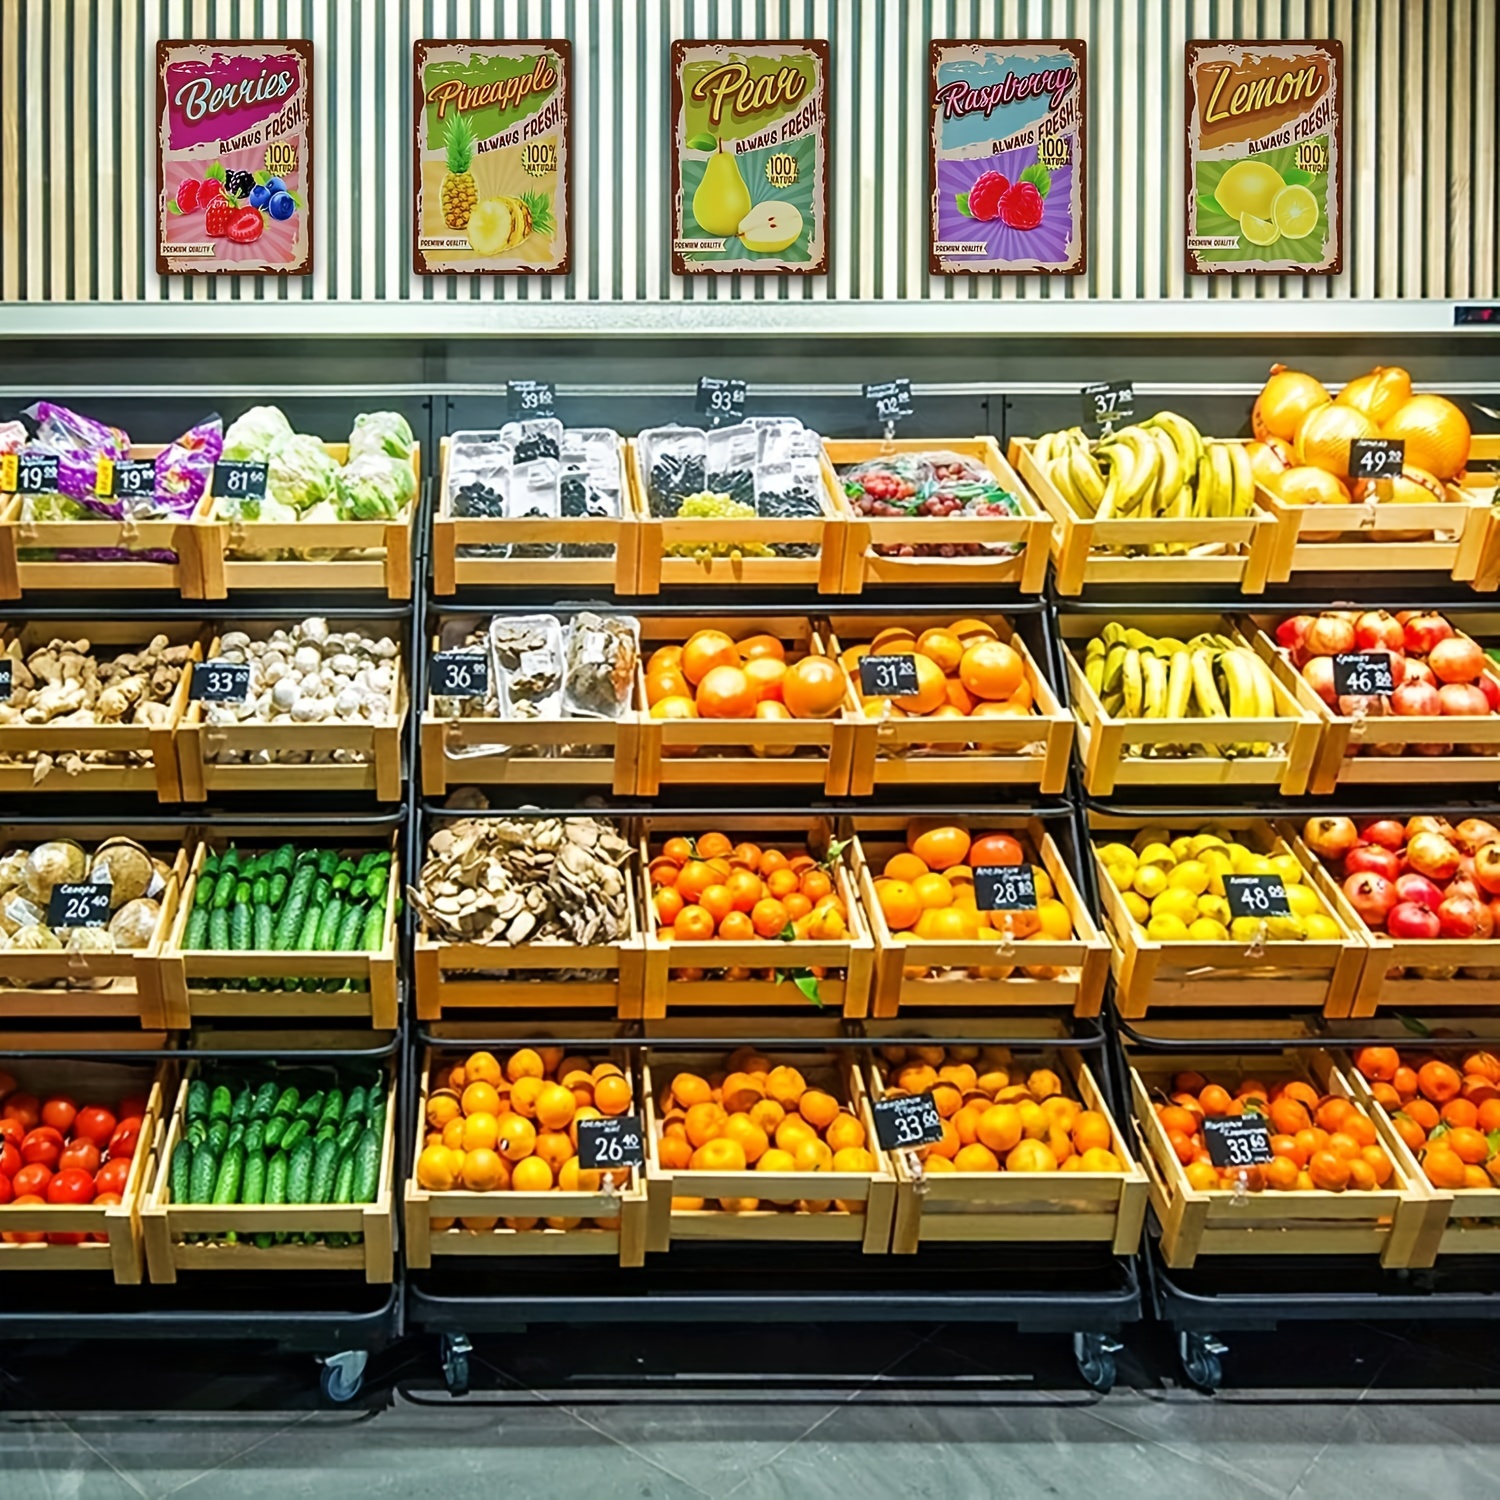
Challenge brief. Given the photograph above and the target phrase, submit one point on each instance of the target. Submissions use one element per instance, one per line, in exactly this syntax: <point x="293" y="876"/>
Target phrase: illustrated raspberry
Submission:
<point x="218" y="216"/>
<point x="1021" y="206"/>
<point x="248" y="224"/>
<point x="985" y="195"/>
<point x="187" y="195"/>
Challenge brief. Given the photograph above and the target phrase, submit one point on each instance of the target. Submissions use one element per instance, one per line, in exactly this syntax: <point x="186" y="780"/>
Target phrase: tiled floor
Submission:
<point x="758" y="1413"/>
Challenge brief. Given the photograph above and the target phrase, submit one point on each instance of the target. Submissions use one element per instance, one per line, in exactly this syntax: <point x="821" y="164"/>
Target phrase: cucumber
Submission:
<point x="356" y="1104"/>
<point x="321" y="1188"/>
<point x="307" y="936"/>
<point x="325" y="1132"/>
<point x="182" y="1172"/>
<point x="375" y="883"/>
<point x="307" y="857"/>
<point x="230" y="859"/>
<point x="329" y="924"/>
<point x="328" y="862"/>
<point x="253" y="1189"/>
<point x="275" y="1129"/>
<point x="344" y="874"/>
<point x="217" y="1139"/>
<point x="255" y="1138"/>
<point x="243" y="1102"/>
<point x="197" y="1132"/>
<point x="343" y="1182"/>
<point x="242" y="892"/>
<point x="289" y="920"/>
<point x="218" y="930"/>
<point x="265" y="1097"/>
<point x="264" y="929"/>
<point x="333" y="1108"/>
<point x="276" y="890"/>
<point x="351" y="1131"/>
<point x="295" y="1133"/>
<point x="350" y="928"/>
<point x="224" y="888"/>
<point x="366" y="1166"/>
<point x="221" y="1107"/>
<point x="373" y="935"/>
<point x="366" y="859"/>
<point x="197" y="1100"/>
<point x="276" y="1178"/>
<point x="311" y="1107"/>
<point x="241" y="926"/>
<point x="196" y="935"/>
<point x="236" y="1134"/>
<point x="287" y="1103"/>
<point x="299" y="1173"/>
<point x="260" y="890"/>
<point x="321" y="891"/>
<point x="205" y="1173"/>
<point x="204" y="894"/>
<point x="283" y="859"/>
<point x="227" y="1186"/>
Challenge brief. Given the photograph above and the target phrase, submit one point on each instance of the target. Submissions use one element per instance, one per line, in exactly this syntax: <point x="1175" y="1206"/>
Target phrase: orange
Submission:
<point x="812" y="1155"/>
<point x="1288" y="1116"/>
<point x="769" y="918"/>
<point x="718" y="902"/>
<point x="958" y="696"/>
<point x="776" y="1160"/>
<point x="942" y="646"/>
<point x="740" y="1093"/>
<point x="1380" y="1164"/>
<point x="664" y="657"/>
<point x="1214" y="1101"/>
<point x="853" y="1159"/>
<point x="482" y="1067"/>
<point x="516" y="1136"/>
<point x="666" y="683"/>
<point x="768" y="1114"/>
<point x="917" y="1077"/>
<point x="970" y="630"/>
<point x="786" y="1086"/>
<point x="674" y="708"/>
<point x="1457" y="1112"/>
<point x="1031" y="1156"/>
<point x="1438" y="1082"/>
<point x="523" y="1096"/>
<point x="555" y="1106"/>
<point x="673" y="1152"/>
<point x="720" y="1155"/>
<point x="453" y="1134"/>
<point x="904" y="866"/>
<point x="1468" y="1145"/>
<point x="797" y="906"/>
<point x="737" y="928"/>
<point x="761" y="648"/>
<point x="783" y="883"/>
<point x="753" y="1141"/>
<point x="845" y="1133"/>
<point x="555" y="1148"/>
<point x="1044" y="1083"/>
<point x="693" y="924"/>
<point x="484" y="1171"/>
<point x="1312" y="1140"/>
<point x="696" y="876"/>
<point x="992" y="670"/>
<point x="745" y="889"/>
<point x="976" y="1158"/>
<point x="1489" y="1115"/>
<point x="1097" y="1159"/>
<point x="704" y="1122"/>
<point x="1174" y="1117"/>
<point x="1331" y="1113"/>
<point x="706" y="649"/>
<point x="815" y="885"/>
<point x="1286" y="1146"/>
<point x="435" y="1170"/>
<point x="1279" y="1173"/>
<point x="932" y="688"/>
<point x="679" y="850"/>
<point x="531" y="1176"/>
<point x="999" y="1127"/>
<point x="819" y="1109"/>
<point x="1328" y="1171"/>
<point x="1090" y="1131"/>
<point x="612" y="1095"/>
<point x="1203" y="1176"/>
<point x="1343" y="1144"/>
<point x="668" y="903"/>
<point x="792" y="1132"/>
<point x="933" y="891"/>
<point x="526" y="1063"/>
<point x="939" y="847"/>
<point x="441" y="1108"/>
<point x="481" y="1099"/>
<point x="481" y="1132"/>
<point x="1378" y="1064"/>
<point x="814" y="688"/>
<point x="726" y="693"/>
<point x="772" y="859"/>
<point x="966" y="1121"/>
<point x="1443" y="1167"/>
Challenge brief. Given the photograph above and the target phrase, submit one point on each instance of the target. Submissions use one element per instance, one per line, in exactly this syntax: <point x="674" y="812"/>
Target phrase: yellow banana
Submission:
<point x="1093" y="669"/>
<point x="1114" y="666"/>
<point x="1210" y="704"/>
<point x="1244" y="480"/>
<point x="1133" y="684"/>
<point x="1155" y="671"/>
<point x="1088" y="482"/>
<point x="1206" y="502"/>
<point x="1223" y="480"/>
<point x="1179" y="684"/>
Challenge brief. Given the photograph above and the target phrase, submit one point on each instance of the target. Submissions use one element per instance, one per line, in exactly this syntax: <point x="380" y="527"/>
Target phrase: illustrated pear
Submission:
<point x="722" y="199"/>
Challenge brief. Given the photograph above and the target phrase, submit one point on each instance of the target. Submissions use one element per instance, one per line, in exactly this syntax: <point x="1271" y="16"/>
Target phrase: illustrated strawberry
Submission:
<point x="187" y="195"/>
<point x="985" y="195"/>
<point x="1021" y="206"/>
<point x="247" y="225"/>
<point x="218" y="216"/>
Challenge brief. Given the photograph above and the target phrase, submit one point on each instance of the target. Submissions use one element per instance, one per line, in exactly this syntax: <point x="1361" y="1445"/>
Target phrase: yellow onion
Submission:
<point x="1436" y="434"/>
<point x="1412" y="486"/>
<point x="1325" y="434"/>
<point x="1304" y="485"/>
<point x="1379" y="395"/>
<point x="1269" y="459"/>
<point x="1285" y="400"/>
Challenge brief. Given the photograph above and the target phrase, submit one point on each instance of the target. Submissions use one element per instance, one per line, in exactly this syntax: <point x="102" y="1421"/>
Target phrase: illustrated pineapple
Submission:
<point x="500" y="224"/>
<point x="459" y="192"/>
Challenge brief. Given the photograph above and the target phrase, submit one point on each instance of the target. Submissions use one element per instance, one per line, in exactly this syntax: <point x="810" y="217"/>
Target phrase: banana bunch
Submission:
<point x="1162" y="467"/>
<point x="1139" y="676"/>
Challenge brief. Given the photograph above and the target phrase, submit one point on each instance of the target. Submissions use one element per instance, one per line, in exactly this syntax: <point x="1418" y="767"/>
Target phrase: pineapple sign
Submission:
<point x="492" y="185"/>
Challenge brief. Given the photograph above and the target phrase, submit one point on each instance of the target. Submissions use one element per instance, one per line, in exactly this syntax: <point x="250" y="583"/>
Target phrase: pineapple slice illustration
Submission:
<point x="500" y="224"/>
<point x="459" y="192"/>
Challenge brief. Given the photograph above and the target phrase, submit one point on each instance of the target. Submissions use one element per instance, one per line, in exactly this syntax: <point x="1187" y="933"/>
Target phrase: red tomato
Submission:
<point x="94" y="1123"/>
<point x="7" y="1192"/>
<point x="66" y="1237"/>
<point x="10" y="1159"/>
<point x="84" y="1154"/>
<point x="7" y="1083"/>
<point x="995" y="849"/>
<point x="102" y="1201"/>
<point x="113" y="1175"/>
<point x="32" y="1179"/>
<point x="71" y="1185"/>
<point x="12" y="1130"/>
<point x="126" y="1137"/>
<point x="59" y="1112"/>
<point x="134" y="1105"/>
<point x="26" y="1108"/>
<point x="44" y="1144"/>
<point x="24" y="1236"/>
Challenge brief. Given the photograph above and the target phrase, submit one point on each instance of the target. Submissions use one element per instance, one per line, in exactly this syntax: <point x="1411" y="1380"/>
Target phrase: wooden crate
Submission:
<point x="1458" y="552"/>
<point x="431" y="1229"/>
<point x="106" y="1083"/>
<point x="186" y="975"/>
<point x="1337" y="762"/>
<point x="450" y="570"/>
<point x="668" y="1224"/>
<point x="167" y="1224"/>
<point x="923" y="751"/>
<point x="159" y="774"/>
<point x="854" y="954"/>
<point x="1461" y="974"/>
<point x="901" y="979"/>
<point x="1028" y="532"/>
<point x="386" y="547"/>
<point x="185" y="577"/>
<point x="1485" y="485"/>
<point x="657" y="566"/>
<point x="797" y="752"/>
<point x="1388" y="1222"/>
<point x="1281" y="976"/>
<point x="1241" y="556"/>
<point x="1024" y="1207"/>
<point x="33" y="986"/>
<point x="198" y="742"/>
<point x="1105" y="743"/>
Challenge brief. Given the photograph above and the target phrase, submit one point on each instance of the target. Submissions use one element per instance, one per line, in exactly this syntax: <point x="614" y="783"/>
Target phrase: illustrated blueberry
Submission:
<point x="259" y="196"/>
<point x="281" y="205"/>
<point x="275" y="185"/>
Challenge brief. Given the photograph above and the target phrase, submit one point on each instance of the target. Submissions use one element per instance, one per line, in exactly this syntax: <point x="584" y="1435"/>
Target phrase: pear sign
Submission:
<point x="749" y="157"/>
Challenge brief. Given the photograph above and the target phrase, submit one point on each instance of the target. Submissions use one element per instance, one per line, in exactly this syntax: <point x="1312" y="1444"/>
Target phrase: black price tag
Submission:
<point x="240" y="479"/>
<point x="888" y="676"/>
<point x="1256" y="896"/>
<point x="79" y="905"/>
<point x="1376" y="458"/>
<point x="1237" y="1141"/>
<point x="1004" y="888"/>
<point x="460" y="674"/>
<point x="134" y="477"/>
<point x="615" y="1142"/>
<point x="7" y="676"/>
<point x="531" y="398"/>
<point x="1363" y="674"/>
<point x="1108" y="401"/>
<point x="721" y="399"/>
<point x="907" y="1122"/>
<point x="890" y="400"/>
<point x="29" y="473"/>
<point x="220" y="682"/>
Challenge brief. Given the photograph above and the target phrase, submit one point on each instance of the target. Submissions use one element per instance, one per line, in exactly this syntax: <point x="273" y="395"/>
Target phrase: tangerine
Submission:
<point x="991" y="670"/>
<point x="726" y="693"/>
<point x="814" y="688"/>
<point x="612" y="1095"/>
<point x="532" y="1175"/>
<point x="704" y="650"/>
<point x="905" y="867"/>
<point x="480" y="1099"/>
<point x="762" y="648"/>
<point x="976" y="1158"/>
<point x="1438" y="1081"/>
<point x="939" y="847"/>
<point x="693" y="924"/>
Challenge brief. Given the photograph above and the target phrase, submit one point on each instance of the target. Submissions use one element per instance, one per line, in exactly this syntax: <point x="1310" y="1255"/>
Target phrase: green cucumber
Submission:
<point x="218" y="930"/>
<point x="197" y="1100"/>
<point x="373" y="936"/>
<point x="230" y="858"/>
<point x="283" y="859"/>
<point x="276" y="1178"/>
<point x="196" y="935"/>
<point x="307" y="936"/>
<point x="276" y="891"/>
<point x="375" y="884"/>
<point x="311" y="1107"/>
<point x="236" y="1134"/>
<point x="265" y="1098"/>
<point x="351" y="927"/>
<point x="224" y="888"/>
<point x="241" y="925"/>
<point x="344" y="874"/>
<point x="299" y="1173"/>
<point x="275" y="1128"/>
<point x="357" y="1102"/>
<point x="227" y="1185"/>
<point x="295" y="1133"/>
<point x="327" y="1131"/>
<point x="253" y="1188"/>
<point x="328" y="862"/>
<point x="328" y="925"/>
<point x="343" y="1182"/>
<point x="349" y="1133"/>
<point x="366" y="1166"/>
<point x="289" y="919"/>
<point x="366" y="859"/>
<point x="255" y="1138"/>
<point x="217" y="1139"/>
<point x="205" y="1173"/>
<point x="221" y="1106"/>
<point x="287" y="1103"/>
<point x="243" y="1102"/>
<point x="333" y="1108"/>
<point x="197" y="1132"/>
<point x="242" y="890"/>
<point x="324" y="1165"/>
<point x="204" y="894"/>
<point x="182" y="1172"/>
<point x="264" y="932"/>
<point x="260" y="891"/>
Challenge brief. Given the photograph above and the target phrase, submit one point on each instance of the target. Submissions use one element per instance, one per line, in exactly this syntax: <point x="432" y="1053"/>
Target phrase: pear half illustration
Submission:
<point x="722" y="199"/>
<point x="770" y="226"/>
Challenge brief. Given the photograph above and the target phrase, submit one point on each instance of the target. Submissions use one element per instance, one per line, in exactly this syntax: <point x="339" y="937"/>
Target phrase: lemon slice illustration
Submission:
<point x="1295" y="211"/>
<point x="1258" y="231"/>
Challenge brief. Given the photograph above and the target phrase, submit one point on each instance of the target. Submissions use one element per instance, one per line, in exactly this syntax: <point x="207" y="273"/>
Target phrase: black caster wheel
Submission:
<point x="456" y="1352"/>
<point x="1095" y="1354"/>
<point x="343" y="1375"/>
<point x="1199" y="1353"/>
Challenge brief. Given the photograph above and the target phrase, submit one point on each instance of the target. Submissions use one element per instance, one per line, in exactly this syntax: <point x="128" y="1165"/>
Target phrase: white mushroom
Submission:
<point x="307" y="659"/>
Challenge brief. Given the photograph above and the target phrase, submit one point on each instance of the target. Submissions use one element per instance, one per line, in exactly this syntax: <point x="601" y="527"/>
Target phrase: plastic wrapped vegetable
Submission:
<point x="79" y="443"/>
<point x="12" y="437"/>
<point x="375" y="487"/>
<point x="301" y="473"/>
<point x="184" y="468"/>
<point x="257" y="434"/>
<point x="386" y="432"/>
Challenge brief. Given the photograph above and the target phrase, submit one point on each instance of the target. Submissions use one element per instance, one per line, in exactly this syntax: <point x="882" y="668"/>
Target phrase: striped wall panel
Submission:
<point x="77" y="164"/>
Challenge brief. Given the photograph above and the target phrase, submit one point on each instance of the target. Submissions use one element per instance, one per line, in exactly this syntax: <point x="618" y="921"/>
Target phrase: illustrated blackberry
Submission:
<point x="239" y="183"/>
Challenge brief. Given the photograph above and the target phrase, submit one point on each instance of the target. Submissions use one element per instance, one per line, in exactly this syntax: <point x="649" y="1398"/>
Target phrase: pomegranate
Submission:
<point x="1490" y="687"/>
<point x="1417" y="699"/>
<point x="1418" y="671"/>
<point x="1487" y="868"/>
<point x="1377" y="628"/>
<point x="1463" y="700"/>
<point x="1389" y="833"/>
<point x="1318" y="673"/>
<point x="1424" y="631"/>
<point x="1330" y="634"/>
<point x="1293" y="631"/>
<point x="1419" y="891"/>
<point x="1463" y="917"/>
<point x="1371" y="895"/>
<point x="1457" y="659"/>
<point x="1372" y="858"/>
<point x="1474" y="833"/>
<point x="1329" y="837"/>
<point x="1410" y="921"/>
<point x="1357" y="706"/>
<point x="1428" y="823"/>
<point x="1431" y="854"/>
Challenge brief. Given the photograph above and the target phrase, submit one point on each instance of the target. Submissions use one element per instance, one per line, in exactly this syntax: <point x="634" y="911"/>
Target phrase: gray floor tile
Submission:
<point x="1393" y="1447"/>
<point x="41" y="1459"/>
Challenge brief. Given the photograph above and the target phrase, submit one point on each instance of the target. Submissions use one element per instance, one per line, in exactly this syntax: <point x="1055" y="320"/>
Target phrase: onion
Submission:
<point x="1436" y="434"/>
<point x="1308" y="486"/>
<point x="1269" y="458"/>
<point x="1285" y="400"/>
<point x="1325" y="434"/>
<point x="1379" y="395"/>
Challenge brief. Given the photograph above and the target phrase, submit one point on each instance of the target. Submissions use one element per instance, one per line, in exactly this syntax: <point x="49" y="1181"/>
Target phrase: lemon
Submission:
<point x="1217" y="861"/>
<point x="1152" y="834"/>
<point x="1214" y="906"/>
<point x="1247" y="930"/>
<point x="1150" y="881"/>
<point x="1167" y="929"/>
<point x="1249" y="187"/>
<point x="1182" y="848"/>
<point x="1295" y="211"/>
<point x="1286" y="866"/>
<point x="1206" y="930"/>
<point x="1258" y="231"/>
<point x="1204" y="841"/>
<point x="1302" y="900"/>
<point x="1137" y="906"/>
<point x="1175" y="902"/>
<point x="1190" y="875"/>
<point x="1123" y="853"/>
<point x="1122" y="875"/>
<point x="1253" y="864"/>
<point x="1158" y="854"/>
<point x="1321" y="928"/>
<point x="1285" y="929"/>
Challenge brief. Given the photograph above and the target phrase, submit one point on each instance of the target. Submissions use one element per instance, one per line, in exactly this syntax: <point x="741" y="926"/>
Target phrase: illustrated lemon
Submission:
<point x="1249" y="187"/>
<point x="1321" y="928"/>
<point x="1190" y="875"/>
<point x="1259" y="231"/>
<point x="1158" y="854"/>
<point x="1167" y="929"/>
<point x="1302" y="900"/>
<point x="1206" y="930"/>
<point x="1137" y="906"/>
<point x="1175" y="901"/>
<point x="1295" y="211"/>
<point x="1150" y="881"/>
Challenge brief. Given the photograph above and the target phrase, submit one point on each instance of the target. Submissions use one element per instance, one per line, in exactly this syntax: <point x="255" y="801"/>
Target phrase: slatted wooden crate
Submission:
<point x="1224" y="551"/>
<point x="170" y="1225"/>
<point x="122" y="1256"/>
<point x="1110" y="748"/>
<point x="1483" y="481"/>
<point x="1389" y="1223"/>
<point x="234" y="552"/>
<point x="988" y="971"/>
<point x="1444" y="974"/>
<point x="925" y="751"/>
<point x="459" y="1223"/>
<point x="1028" y="532"/>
